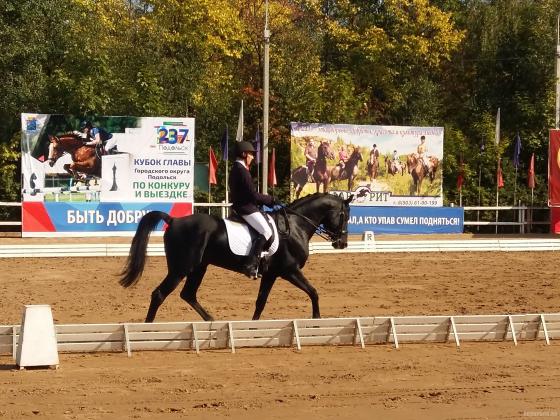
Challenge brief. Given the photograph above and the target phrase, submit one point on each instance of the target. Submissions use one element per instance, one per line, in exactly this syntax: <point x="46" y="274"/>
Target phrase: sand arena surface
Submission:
<point x="417" y="381"/>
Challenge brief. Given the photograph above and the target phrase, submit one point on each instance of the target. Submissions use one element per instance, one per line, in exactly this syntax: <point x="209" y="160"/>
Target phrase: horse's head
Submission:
<point x="336" y="221"/>
<point x="55" y="151"/>
<point x="411" y="161"/>
<point x="324" y="151"/>
<point x="356" y="155"/>
<point x="435" y="163"/>
<point x="61" y="144"/>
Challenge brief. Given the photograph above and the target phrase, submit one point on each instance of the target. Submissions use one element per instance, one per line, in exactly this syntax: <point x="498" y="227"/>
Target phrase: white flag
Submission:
<point x="239" y="136"/>
<point x="498" y="127"/>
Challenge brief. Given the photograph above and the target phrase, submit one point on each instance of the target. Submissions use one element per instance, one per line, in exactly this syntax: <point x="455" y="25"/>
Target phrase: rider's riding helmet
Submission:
<point x="242" y="147"/>
<point x="85" y="124"/>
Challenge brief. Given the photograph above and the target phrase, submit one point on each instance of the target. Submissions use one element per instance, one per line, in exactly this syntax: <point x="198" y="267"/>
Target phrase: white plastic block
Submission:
<point x="37" y="344"/>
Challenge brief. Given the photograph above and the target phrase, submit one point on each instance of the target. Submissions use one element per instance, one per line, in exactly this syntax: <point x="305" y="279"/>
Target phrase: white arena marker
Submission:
<point x="369" y="239"/>
<point x="37" y="344"/>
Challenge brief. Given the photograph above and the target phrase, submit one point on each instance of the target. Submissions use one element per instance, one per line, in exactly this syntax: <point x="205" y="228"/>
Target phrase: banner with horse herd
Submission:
<point x="99" y="176"/>
<point x="380" y="165"/>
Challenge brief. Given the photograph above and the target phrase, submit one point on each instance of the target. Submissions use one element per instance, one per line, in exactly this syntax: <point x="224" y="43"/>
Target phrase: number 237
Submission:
<point x="172" y="135"/>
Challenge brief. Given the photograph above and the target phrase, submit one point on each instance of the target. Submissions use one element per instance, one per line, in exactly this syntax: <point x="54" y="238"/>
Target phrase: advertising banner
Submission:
<point x="554" y="169"/>
<point x="400" y="220"/>
<point x="380" y="165"/>
<point x="89" y="177"/>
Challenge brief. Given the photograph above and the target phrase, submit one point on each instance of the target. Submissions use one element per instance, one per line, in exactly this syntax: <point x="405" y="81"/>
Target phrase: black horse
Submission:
<point x="350" y="170"/>
<point x="194" y="242"/>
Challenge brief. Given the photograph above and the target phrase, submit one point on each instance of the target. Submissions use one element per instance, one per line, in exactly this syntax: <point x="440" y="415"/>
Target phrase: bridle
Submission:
<point x="320" y="230"/>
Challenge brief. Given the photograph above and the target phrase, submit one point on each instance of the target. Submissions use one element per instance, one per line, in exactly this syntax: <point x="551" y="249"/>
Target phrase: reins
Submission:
<point x="319" y="230"/>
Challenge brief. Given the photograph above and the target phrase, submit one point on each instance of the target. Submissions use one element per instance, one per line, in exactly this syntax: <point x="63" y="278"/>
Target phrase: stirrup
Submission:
<point x="252" y="272"/>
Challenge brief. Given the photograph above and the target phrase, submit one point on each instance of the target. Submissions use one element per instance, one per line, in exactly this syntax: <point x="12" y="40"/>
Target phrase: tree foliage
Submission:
<point x="448" y="63"/>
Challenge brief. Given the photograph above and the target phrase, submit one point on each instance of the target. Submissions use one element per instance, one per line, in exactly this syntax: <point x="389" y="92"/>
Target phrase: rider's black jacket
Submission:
<point x="244" y="197"/>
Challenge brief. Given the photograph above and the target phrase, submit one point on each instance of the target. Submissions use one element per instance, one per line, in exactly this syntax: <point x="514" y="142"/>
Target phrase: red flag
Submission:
<point x="461" y="176"/>
<point x="554" y="169"/>
<point x="500" y="178"/>
<point x="212" y="166"/>
<point x="531" y="177"/>
<point x="272" y="169"/>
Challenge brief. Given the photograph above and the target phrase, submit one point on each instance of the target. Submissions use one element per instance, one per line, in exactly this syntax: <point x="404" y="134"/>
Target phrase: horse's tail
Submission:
<point x="137" y="256"/>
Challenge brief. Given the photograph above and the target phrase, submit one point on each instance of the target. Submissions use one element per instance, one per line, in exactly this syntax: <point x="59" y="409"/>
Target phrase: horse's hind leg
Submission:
<point x="161" y="292"/>
<point x="194" y="279"/>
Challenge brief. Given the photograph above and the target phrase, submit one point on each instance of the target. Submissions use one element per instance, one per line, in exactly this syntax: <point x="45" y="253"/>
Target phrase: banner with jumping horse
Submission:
<point x="99" y="175"/>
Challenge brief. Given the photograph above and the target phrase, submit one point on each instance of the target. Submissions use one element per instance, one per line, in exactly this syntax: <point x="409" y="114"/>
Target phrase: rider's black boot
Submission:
<point x="254" y="258"/>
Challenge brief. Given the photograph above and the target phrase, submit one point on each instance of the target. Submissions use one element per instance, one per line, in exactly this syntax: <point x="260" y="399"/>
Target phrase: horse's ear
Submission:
<point x="349" y="199"/>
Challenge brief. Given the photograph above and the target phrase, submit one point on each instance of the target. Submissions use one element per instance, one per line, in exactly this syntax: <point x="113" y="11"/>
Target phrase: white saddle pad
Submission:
<point x="239" y="238"/>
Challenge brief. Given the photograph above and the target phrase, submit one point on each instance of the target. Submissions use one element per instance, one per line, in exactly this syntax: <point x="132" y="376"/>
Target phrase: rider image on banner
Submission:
<point x="379" y="165"/>
<point x="83" y="175"/>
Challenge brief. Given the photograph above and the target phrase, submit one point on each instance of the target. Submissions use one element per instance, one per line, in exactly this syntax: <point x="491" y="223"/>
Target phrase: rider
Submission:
<point x="310" y="157"/>
<point x="422" y="151"/>
<point x="373" y="154"/>
<point x="245" y="201"/>
<point x="95" y="136"/>
<point x="342" y="157"/>
<point x="396" y="161"/>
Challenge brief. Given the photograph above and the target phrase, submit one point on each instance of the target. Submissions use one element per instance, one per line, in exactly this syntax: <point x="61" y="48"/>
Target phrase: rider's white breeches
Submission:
<point x="112" y="142"/>
<point x="258" y="222"/>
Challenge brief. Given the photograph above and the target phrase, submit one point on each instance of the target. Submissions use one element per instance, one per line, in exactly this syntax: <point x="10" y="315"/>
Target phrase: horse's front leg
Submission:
<point x="297" y="278"/>
<point x="264" y="290"/>
<point x="67" y="168"/>
<point x="79" y="171"/>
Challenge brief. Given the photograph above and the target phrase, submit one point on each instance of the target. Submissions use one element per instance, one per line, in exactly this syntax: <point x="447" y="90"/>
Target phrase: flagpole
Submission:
<point x="227" y="195"/>
<point x="224" y="143"/>
<point x="259" y="160"/>
<point x="209" y="193"/>
<point x="479" y="195"/>
<point x="515" y="187"/>
<point x="265" y="100"/>
<point x="499" y="166"/>
<point x="497" y="194"/>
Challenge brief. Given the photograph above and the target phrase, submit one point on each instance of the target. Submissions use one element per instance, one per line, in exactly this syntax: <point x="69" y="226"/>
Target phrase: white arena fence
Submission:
<point x="296" y="333"/>
<point x="410" y="245"/>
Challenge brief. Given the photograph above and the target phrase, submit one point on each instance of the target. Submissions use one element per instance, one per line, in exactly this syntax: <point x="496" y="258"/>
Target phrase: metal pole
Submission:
<point x="557" y="113"/>
<point x="479" y="195"/>
<point x="265" y="103"/>
<point x="515" y="188"/>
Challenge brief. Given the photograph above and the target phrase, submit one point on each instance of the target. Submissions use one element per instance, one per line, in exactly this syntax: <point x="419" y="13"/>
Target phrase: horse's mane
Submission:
<point x="303" y="200"/>
<point x="354" y="157"/>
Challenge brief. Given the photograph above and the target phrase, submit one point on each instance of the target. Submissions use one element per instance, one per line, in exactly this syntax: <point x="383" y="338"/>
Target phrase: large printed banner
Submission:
<point x="71" y="187"/>
<point x="380" y="165"/>
<point x="412" y="220"/>
<point x="554" y="169"/>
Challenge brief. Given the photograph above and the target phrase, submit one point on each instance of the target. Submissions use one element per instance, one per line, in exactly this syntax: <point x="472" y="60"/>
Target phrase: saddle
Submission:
<point x="241" y="235"/>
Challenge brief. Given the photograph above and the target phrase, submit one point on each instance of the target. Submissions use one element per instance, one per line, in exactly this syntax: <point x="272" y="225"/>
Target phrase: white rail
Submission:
<point x="197" y="336"/>
<point x="156" y="249"/>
